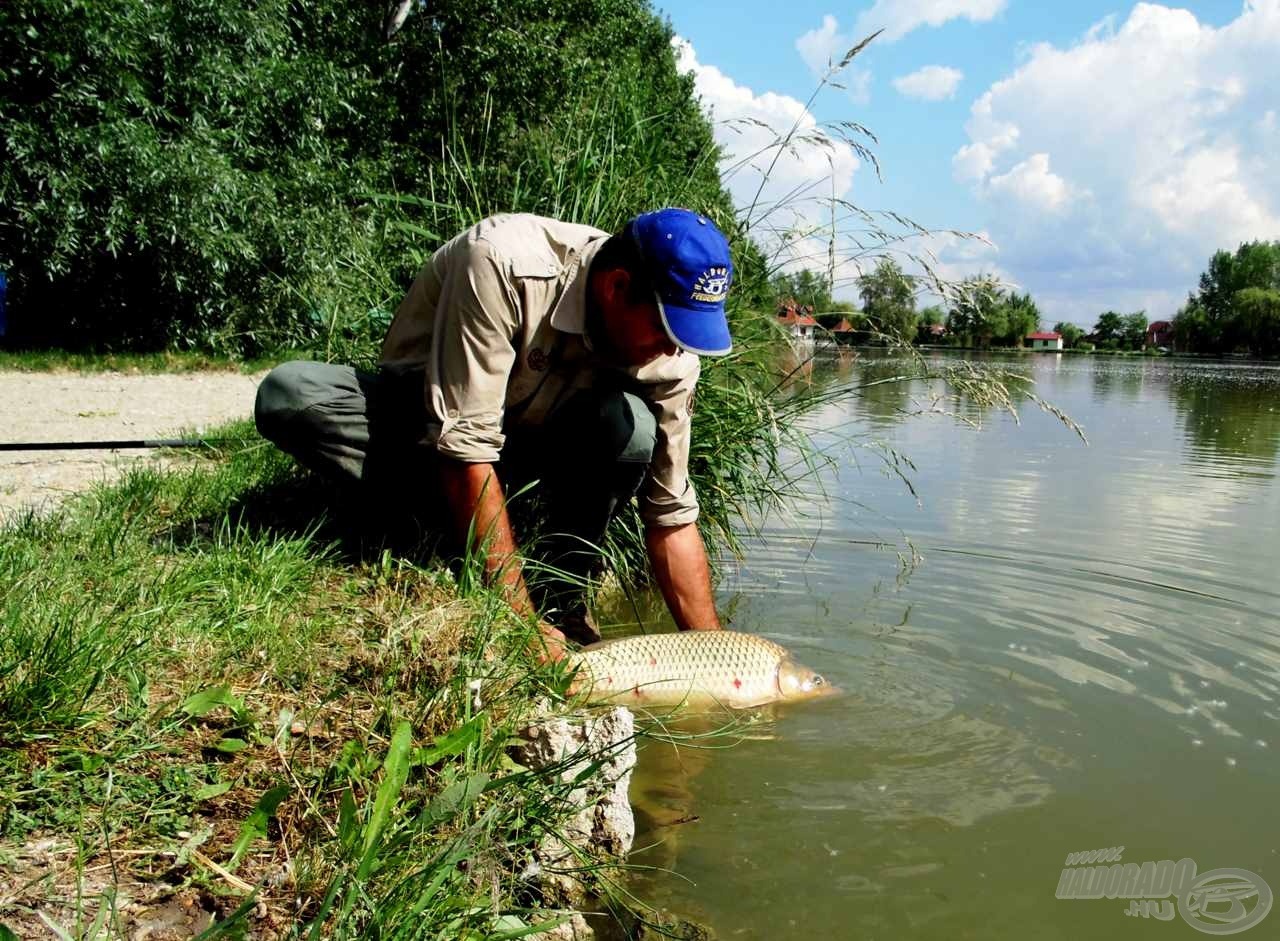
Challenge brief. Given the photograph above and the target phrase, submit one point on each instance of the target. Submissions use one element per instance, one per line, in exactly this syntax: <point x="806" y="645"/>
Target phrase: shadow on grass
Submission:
<point x="347" y="527"/>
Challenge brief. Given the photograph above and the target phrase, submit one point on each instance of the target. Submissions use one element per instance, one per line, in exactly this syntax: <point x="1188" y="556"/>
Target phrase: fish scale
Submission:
<point x="727" y="667"/>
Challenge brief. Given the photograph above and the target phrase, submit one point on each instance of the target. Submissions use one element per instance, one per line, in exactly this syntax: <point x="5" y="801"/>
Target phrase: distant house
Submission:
<point x="1160" y="333"/>
<point x="798" y="319"/>
<point x="1044" y="341"/>
<point x="843" y="333"/>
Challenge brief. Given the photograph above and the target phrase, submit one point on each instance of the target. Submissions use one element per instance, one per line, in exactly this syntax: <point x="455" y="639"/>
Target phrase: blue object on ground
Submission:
<point x="4" y="287"/>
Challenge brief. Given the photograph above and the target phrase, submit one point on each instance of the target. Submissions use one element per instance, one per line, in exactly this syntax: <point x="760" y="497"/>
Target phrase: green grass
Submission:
<point x="215" y="697"/>
<point x="168" y="361"/>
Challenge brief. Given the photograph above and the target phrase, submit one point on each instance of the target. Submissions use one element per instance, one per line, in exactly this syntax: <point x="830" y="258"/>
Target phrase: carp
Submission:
<point x="729" y="668"/>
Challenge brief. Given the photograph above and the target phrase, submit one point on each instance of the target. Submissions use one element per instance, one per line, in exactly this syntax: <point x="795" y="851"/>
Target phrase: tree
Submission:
<point x="888" y="300"/>
<point x="202" y="173"/>
<point x="838" y="311"/>
<point x="1257" y="315"/>
<point x="930" y="317"/>
<point x="933" y="314"/>
<point x="1021" y="316"/>
<point x="1226" y="311"/>
<point x="1191" y="327"/>
<point x="1133" y="331"/>
<point x="984" y="313"/>
<point x="805" y="287"/>
<point x="1071" y="334"/>
<point x="1254" y="264"/>
<point x="1109" y="329"/>
<point x="975" y="314"/>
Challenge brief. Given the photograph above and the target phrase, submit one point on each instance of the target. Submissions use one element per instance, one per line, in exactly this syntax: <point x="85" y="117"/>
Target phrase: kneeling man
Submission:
<point x="529" y="349"/>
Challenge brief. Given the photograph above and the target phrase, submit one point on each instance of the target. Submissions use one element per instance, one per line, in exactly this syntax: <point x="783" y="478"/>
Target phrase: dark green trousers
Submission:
<point x="364" y="430"/>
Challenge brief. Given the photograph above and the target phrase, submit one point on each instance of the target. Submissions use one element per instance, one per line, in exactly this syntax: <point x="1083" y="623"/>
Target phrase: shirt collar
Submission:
<point x="570" y="313"/>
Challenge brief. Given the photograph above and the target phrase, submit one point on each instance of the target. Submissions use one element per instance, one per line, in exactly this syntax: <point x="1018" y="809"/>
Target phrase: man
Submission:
<point x="529" y="349"/>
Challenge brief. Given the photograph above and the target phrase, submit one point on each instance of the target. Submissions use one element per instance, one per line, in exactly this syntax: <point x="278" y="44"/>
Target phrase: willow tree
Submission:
<point x="229" y="173"/>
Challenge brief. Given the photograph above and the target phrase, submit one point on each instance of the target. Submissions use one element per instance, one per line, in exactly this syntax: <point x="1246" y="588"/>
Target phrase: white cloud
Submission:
<point x="1032" y="184"/>
<point x="820" y="47"/>
<point x="952" y="257"/>
<point x="899" y="17"/>
<point x="747" y="127"/>
<point x="990" y="138"/>
<point x="1116" y="166"/>
<point x="824" y="47"/>
<point x="932" y="83"/>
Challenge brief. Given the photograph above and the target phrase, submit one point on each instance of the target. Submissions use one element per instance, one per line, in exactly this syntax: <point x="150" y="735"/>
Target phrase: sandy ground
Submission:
<point x="74" y="407"/>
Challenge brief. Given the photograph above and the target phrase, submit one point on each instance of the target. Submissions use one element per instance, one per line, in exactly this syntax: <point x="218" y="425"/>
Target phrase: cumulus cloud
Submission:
<point x="1115" y="166"/>
<point x="747" y="128"/>
<point x="822" y="47"/>
<point x="932" y="83"/>
<point x="899" y="17"/>
<point x="1031" y="183"/>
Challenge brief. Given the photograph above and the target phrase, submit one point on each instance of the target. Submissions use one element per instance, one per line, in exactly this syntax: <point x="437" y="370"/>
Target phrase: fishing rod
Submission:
<point x="134" y="443"/>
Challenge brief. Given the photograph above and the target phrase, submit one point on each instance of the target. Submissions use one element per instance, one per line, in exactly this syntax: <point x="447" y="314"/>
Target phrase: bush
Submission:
<point x="205" y="174"/>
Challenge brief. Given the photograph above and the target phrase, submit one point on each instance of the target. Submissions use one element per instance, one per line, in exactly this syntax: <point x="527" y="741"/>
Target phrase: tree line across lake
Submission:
<point x="1236" y="309"/>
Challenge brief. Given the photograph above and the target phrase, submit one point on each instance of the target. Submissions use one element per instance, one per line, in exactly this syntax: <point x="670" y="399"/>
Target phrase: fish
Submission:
<point x="728" y="668"/>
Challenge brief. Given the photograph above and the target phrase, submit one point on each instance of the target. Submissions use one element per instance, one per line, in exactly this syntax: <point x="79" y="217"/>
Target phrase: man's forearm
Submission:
<point x="679" y="562"/>
<point x="475" y="494"/>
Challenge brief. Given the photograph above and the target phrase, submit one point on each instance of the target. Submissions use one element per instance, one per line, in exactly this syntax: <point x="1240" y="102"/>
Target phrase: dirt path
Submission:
<point x="76" y="407"/>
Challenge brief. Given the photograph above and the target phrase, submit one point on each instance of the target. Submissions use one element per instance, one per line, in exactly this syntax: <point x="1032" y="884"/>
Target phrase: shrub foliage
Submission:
<point x="242" y="175"/>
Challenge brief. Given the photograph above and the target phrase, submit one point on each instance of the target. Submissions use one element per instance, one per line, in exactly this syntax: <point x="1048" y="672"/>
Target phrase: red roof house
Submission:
<point x="1044" y="340"/>
<point x="798" y="319"/>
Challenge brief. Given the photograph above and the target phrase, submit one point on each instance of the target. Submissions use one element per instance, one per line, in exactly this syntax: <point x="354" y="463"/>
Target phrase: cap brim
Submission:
<point x="697" y="331"/>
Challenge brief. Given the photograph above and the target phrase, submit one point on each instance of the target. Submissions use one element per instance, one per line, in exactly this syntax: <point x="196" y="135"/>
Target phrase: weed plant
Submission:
<point x="209" y="700"/>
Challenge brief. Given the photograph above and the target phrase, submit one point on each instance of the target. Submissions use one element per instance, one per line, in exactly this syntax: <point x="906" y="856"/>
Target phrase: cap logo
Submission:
<point x="712" y="285"/>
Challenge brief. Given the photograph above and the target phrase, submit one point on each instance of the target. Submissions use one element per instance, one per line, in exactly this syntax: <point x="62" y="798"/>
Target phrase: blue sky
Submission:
<point x="1104" y="149"/>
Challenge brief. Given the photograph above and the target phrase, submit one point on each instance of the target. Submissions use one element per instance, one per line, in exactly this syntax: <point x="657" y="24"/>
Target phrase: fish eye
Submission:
<point x="817" y="680"/>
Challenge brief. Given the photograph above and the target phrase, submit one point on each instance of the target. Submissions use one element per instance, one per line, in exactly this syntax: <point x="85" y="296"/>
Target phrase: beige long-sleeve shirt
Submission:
<point x="497" y="317"/>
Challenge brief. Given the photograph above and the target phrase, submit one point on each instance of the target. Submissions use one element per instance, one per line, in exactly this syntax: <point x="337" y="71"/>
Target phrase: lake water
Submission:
<point x="1086" y="655"/>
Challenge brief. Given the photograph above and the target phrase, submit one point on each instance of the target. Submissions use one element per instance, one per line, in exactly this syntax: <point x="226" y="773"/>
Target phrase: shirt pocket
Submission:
<point x="536" y="267"/>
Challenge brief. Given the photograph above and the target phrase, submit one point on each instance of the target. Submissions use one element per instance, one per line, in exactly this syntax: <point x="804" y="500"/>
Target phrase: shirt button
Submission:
<point x="553" y="269"/>
<point x="453" y="413"/>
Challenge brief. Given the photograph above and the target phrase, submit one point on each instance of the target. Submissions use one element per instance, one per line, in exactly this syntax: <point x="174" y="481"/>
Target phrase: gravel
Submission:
<point x="76" y="407"/>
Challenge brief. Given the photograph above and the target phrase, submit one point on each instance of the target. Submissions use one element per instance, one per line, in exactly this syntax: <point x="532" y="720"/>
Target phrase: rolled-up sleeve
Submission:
<point x="667" y="497"/>
<point x="473" y="352"/>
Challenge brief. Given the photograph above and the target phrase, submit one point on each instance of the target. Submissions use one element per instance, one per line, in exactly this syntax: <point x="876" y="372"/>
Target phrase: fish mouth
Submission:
<point x="794" y="683"/>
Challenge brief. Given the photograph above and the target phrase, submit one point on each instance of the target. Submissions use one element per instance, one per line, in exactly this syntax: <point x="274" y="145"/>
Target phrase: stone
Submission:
<point x="603" y="826"/>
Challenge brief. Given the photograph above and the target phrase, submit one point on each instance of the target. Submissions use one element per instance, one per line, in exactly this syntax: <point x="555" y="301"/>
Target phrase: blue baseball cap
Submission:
<point x="687" y="259"/>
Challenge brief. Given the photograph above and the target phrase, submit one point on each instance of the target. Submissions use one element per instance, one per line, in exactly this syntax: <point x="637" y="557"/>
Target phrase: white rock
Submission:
<point x="604" y="826"/>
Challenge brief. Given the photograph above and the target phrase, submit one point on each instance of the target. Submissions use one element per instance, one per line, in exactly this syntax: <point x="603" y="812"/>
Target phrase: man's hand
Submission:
<point x="549" y="644"/>
<point x="479" y="508"/>
<point x="475" y="494"/>
<point x="679" y="562"/>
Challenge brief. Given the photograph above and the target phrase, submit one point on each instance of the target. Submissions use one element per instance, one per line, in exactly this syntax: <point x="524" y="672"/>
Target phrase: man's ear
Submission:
<point x="617" y="284"/>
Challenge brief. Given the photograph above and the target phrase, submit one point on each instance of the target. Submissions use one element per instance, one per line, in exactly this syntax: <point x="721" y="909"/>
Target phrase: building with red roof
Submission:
<point x="798" y="319"/>
<point x="1160" y="334"/>
<point x="1043" y="340"/>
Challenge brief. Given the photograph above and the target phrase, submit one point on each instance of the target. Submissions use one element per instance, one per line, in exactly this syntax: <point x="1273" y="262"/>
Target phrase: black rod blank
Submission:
<point x="112" y="445"/>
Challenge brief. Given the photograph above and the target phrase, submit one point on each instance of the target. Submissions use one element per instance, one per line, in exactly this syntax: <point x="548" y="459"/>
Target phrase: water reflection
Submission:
<point x="1120" y="383"/>
<point x="1236" y="416"/>
<point x="1090" y="649"/>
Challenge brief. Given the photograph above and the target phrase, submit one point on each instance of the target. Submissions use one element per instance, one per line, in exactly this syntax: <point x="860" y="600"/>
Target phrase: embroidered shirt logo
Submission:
<point x="712" y="285"/>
